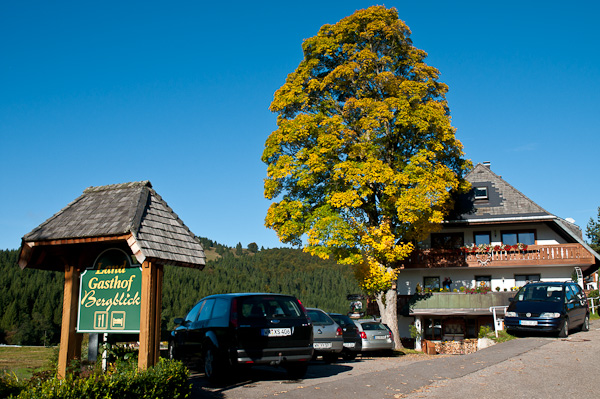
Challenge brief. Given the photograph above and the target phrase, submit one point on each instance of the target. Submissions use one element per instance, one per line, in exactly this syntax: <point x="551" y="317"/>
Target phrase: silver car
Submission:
<point x="327" y="335"/>
<point x="375" y="336"/>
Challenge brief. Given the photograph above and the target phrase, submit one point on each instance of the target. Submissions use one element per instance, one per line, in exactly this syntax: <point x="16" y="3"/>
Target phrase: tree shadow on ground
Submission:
<point x="249" y="376"/>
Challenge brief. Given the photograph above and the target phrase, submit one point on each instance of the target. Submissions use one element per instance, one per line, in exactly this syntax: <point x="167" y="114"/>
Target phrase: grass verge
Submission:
<point x="23" y="361"/>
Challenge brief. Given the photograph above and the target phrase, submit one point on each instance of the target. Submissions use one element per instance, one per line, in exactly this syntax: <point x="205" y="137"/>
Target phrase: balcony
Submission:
<point x="535" y="255"/>
<point x="455" y="303"/>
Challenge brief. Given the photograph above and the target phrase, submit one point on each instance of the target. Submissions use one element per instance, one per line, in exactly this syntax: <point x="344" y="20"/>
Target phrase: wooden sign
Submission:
<point x="110" y="295"/>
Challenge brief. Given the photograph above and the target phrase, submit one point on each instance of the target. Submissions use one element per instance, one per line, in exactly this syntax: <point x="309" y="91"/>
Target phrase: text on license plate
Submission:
<point x="380" y="337"/>
<point x="528" y="322"/>
<point x="322" y="345"/>
<point x="349" y="344"/>
<point x="277" y="332"/>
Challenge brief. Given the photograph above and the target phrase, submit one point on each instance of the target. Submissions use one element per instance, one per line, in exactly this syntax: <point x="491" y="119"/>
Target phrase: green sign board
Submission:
<point x="110" y="296"/>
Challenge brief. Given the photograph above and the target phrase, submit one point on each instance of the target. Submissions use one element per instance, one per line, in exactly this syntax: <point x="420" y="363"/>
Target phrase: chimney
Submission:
<point x="487" y="164"/>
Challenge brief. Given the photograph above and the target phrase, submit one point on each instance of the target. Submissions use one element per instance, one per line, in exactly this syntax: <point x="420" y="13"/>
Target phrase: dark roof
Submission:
<point x="156" y="232"/>
<point x="504" y="201"/>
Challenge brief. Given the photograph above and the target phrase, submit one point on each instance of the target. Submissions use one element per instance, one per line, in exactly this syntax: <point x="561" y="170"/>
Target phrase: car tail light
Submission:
<point x="339" y="332"/>
<point x="233" y="316"/>
<point x="363" y="335"/>
<point x="304" y="311"/>
<point x="302" y="307"/>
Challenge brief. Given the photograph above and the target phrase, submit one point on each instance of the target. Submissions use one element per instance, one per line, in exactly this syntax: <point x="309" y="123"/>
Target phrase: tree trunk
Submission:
<point x="389" y="313"/>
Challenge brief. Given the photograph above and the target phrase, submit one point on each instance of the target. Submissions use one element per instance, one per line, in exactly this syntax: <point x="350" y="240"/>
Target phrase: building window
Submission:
<point x="447" y="240"/>
<point x="522" y="279"/>
<point x="432" y="283"/>
<point x="472" y="328"/>
<point x="483" y="281"/>
<point x="433" y="329"/>
<point x="482" y="237"/>
<point x="526" y="237"/>
<point x="481" y="193"/>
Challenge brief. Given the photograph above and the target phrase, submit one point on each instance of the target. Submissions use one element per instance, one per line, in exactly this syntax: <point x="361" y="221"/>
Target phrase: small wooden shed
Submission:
<point x="131" y="217"/>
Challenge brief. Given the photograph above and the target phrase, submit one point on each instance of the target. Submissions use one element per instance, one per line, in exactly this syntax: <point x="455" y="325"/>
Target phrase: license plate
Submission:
<point x="528" y="322"/>
<point x="322" y="345"/>
<point x="277" y="332"/>
<point x="380" y="337"/>
<point x="349" y="344"/>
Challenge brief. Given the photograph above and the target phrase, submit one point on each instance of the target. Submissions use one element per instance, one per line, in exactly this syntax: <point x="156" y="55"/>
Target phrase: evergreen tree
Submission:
<point x="31" y="300"/>
<point x="592" y="232"/>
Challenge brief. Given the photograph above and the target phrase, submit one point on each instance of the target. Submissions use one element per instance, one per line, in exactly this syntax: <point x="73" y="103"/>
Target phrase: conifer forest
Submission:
<point x="31" y="300"/>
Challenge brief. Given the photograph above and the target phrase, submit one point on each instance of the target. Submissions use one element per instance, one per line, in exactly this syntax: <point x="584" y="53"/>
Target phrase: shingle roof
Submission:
<point x="504" y="201"/>
<point x="135" y="208"/>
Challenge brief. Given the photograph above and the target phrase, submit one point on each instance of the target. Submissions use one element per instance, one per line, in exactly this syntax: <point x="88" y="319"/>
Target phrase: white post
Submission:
<point x="496" y="320"/>
<point x="105" y="353"/>
<point x="493" y="309"/>
<point x="418" y="326"/>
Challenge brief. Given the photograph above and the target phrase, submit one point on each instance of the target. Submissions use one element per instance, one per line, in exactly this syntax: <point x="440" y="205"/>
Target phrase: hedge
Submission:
<point x="167" y="380"/>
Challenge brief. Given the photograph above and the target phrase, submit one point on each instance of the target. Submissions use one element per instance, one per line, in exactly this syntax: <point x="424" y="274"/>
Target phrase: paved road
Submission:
<point x="535" y="367"/>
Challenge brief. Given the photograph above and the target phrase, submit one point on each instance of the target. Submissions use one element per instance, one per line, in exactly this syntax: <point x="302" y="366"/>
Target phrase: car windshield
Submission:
<point x="343" y="321"/>
<point x="258" y="307"/>
<point x="552" y="293"/>
<point x="318" y="317"/>
<point x="373" y="326"/>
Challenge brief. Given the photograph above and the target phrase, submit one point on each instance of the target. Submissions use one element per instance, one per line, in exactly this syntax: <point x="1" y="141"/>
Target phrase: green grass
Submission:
<point x="503" y="336"/>
<point x="594" y="316"/>
<point x="25" y="360"/>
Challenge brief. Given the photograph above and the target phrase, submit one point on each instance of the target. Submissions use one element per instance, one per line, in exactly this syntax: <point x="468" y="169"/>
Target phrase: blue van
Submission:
<point x="555" y="307"/>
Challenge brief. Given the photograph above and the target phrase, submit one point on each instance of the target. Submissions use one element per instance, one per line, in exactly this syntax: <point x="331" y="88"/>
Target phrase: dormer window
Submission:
<point x="481" y="193"/>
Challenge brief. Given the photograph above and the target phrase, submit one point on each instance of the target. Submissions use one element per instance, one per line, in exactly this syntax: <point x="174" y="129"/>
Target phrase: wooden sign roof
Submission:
<point x="131" y="212"/>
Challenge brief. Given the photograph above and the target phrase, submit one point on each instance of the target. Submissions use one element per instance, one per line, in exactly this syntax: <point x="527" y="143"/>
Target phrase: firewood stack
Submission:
<point x="462" y="347"/>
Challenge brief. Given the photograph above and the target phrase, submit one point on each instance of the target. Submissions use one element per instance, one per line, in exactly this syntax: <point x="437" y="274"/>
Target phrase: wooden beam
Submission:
<point x="150" y="315"/>
<point x="158" y="312"/>
<point x="85" y="240"/>
<point x="69" y="339"/>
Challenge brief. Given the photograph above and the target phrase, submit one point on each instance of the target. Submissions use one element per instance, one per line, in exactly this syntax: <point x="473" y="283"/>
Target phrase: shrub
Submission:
<point x="484" y="331"/>
<point x="168" y="379"/>
<point x="10" y="385"/>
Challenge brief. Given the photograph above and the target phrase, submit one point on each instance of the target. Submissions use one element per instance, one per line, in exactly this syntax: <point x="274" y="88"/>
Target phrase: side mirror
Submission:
<point x="511" y="299"/>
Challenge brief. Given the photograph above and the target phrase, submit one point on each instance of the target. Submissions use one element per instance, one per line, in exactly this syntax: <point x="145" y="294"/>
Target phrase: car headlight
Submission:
<point x="549" y="315"/>
<point x="510" y="314"/>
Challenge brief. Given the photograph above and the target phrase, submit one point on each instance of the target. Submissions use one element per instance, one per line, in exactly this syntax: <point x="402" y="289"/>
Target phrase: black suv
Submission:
<point x="548" y="307"/>
<point x="223" y="331"/>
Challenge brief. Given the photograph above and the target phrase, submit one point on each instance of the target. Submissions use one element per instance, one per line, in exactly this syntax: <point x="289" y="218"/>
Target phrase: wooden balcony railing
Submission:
<point x="535" y="255"/>
<point x="457" y="300"/>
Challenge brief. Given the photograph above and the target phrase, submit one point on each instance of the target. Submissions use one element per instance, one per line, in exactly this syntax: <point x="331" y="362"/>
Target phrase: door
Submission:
<point x="576" y="304"/>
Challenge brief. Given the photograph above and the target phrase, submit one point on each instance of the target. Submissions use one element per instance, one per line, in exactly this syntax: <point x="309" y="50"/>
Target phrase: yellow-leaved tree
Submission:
<point x="364" y="162"/>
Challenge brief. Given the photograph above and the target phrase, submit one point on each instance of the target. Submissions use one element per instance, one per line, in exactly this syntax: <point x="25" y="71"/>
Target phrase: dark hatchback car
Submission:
<point x="228" y="330"/>
<point x="350" y="333"/>
<point x="555" y="307"/>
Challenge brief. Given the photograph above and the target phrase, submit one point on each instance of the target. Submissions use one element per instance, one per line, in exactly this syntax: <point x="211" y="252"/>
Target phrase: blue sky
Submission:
<point x="96" y="93"/>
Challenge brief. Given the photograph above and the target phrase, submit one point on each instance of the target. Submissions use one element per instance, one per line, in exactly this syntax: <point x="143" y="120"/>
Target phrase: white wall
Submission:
<point x="501" y="277"/>
<point x="544" y="234"/>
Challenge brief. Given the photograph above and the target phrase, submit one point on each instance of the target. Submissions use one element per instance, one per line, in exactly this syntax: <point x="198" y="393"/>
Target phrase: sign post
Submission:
<point x="110" y="295"/>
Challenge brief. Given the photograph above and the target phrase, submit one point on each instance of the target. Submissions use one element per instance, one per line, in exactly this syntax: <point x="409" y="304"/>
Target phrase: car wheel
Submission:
<point x="172" y="351"/>
<point x="586" y="323"/>
<point x="214" y="366"/>
<point x="330" y="357"/>
<point x="564" y="330"/>
<point x="296" y="370"/>
<point x="348" y="355"/>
